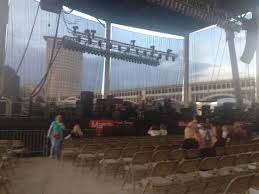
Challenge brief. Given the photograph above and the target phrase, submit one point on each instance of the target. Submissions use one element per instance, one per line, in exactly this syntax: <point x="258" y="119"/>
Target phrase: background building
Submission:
<point x="11" y="82"/>
<point x="64" y="79"/>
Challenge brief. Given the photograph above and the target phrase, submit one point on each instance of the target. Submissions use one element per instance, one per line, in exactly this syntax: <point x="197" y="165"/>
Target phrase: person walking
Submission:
<point x="55" y="133"/>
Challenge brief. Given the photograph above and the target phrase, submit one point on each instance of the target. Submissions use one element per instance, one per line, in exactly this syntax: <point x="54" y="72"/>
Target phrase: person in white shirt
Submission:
<point x="153" y="131"/>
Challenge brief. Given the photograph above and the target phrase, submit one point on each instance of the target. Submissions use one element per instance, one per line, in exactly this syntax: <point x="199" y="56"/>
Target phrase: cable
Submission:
<point x="28" y="43"/>
<point x="217" y="78"/>
<point x="26" y="48"/>
<point x="214" y="66"/>
<point x="52" y="60"/>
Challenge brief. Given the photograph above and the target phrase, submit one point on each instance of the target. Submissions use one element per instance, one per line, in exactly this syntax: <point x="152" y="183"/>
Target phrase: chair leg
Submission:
<point x="126" y="175"/>
<point x="145" y="188"/>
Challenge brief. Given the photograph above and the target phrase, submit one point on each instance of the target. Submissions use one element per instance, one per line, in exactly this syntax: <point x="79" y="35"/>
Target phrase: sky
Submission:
<point x="209" y="56"/>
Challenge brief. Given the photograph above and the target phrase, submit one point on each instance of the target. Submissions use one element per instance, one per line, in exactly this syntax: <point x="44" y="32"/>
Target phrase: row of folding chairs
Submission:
<point x="225" y="165"/>
<point x="236" y="149"/>
<point x="9" y="151"/>
<point x="161" y="180"/>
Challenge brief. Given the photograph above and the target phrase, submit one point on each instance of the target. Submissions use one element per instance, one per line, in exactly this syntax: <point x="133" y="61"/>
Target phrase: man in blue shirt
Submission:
<point x="56" y="136"/>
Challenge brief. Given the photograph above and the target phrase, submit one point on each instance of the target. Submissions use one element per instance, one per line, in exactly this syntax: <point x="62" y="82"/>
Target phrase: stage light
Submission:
<point x="99" y="43"/>
<point x="89" y="41"/>
<point x="78" y="38"/>
<point x="87" y="32"/>
<point x="132" y="42"/>
<point x="93" y="32"/>
<point x="159" y="57"/>
<point x="75" y="28"/>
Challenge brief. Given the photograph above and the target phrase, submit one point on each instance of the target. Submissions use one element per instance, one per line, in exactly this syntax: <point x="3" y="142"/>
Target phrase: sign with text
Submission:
<point x="100" y="124"/>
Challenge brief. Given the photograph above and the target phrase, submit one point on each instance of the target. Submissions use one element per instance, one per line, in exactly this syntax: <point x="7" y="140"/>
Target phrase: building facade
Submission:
<point x="199" y="91"/>
<point x="64" y="79"/>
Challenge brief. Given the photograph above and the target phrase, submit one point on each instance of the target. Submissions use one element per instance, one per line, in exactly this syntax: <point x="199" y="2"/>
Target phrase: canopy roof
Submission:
<point x="143" y="14"/>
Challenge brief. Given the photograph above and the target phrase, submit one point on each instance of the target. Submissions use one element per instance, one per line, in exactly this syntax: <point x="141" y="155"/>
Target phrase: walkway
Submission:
<point x="46" y="176"/>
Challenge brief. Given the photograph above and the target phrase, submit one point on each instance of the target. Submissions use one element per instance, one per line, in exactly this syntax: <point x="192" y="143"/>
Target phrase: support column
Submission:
<point x="257" y="59"/>
<point x="106" y="84"/>
<point x="3" y="24"/>
<point x="234" y="65"/>
<point x="186" y="71"/>
<point x="4" y="9"/>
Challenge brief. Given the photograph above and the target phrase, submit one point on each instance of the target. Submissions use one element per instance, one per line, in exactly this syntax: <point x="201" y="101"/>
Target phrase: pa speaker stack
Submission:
<point x="87" y="99"/>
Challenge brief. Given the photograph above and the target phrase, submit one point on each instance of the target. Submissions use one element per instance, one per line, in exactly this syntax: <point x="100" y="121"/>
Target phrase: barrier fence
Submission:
<point x="35" y="141"/>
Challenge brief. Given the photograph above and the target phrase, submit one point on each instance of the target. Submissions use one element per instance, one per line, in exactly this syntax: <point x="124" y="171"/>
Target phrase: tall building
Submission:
<point x="10" y="81"/>
<point x="64" y="79"/>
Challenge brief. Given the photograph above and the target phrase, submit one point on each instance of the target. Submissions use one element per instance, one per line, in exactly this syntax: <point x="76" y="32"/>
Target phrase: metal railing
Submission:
<point x="35" y="141"/>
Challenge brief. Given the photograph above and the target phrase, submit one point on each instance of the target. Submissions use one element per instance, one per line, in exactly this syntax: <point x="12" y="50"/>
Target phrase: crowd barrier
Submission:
<point x="34" y="141"/>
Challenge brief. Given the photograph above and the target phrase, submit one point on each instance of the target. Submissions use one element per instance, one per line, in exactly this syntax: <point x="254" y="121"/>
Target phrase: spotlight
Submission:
<point x="100" y="43"/>
<point x="87" y="32"/>
<point x="132" y="42"/>
<point x="89" y="41"/>
<point x="93" y="32"/>
<point x="78" y="38"/>
<point x="75" y="28"/>
<point x="159" y="57"/>
<point x="110" y="45"/>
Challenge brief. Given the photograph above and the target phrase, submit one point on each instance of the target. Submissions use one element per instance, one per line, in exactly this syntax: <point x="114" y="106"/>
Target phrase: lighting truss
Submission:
<point x="206" y="11"/>
<point x="87" y="42"/>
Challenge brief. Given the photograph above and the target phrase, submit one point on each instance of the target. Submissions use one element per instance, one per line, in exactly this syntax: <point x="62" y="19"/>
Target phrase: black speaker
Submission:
<point x="87" y="99"/>
<point x="251" y="42"/>
<point x="187" y="113"/>
<point x="205" y="111"/>
<point x="54" y="6"/>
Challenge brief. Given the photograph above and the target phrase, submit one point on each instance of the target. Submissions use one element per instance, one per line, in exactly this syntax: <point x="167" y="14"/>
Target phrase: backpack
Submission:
<point x="208" y="137"/>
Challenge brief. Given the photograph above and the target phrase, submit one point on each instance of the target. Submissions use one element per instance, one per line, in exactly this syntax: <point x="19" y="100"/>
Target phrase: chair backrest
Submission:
<point x="239" y="184"/>
<point x="187" y="166"/>
<point x="90" y="149"/>
<point x="220" y="151"/>
<point x="162" y="147"/>
<point x="177" y="154"/>
<point x="256" y="148"/>
<point x="209" y="164"/>
<point x="163" y="169"/>
<point x="230" y="150"/>
<point x="243" y="158"/>
<point x="129" y="152"/>
<point x="227" y="161"/>
<point x="147" y="148"/>
<point x="161" y="155"/>
<point x="254" y="157"/>
<point x="255" y="182"/>
<point x="192" y="154"/>
<point x="142" y="157"/>
<point x="112" y="153"/>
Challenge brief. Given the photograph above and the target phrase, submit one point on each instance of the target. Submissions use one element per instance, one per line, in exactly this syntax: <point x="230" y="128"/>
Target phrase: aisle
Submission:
<point x="46" y="176"/>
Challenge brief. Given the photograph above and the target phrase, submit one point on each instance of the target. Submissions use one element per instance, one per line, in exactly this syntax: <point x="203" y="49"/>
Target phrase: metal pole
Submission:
<point x="257" y="59"/>
<point x="186" y="71"/>
<point x="4" y="9"/>
<point x="106" y="83"/>
<point x="234" y="65"/>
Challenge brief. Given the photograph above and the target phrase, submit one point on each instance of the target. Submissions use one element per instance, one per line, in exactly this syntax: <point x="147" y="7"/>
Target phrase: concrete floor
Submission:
<point x="47" y="176"/>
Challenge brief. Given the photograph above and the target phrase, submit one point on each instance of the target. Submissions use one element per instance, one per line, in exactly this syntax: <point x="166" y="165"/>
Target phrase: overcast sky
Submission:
<point x="208" y="52"/>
